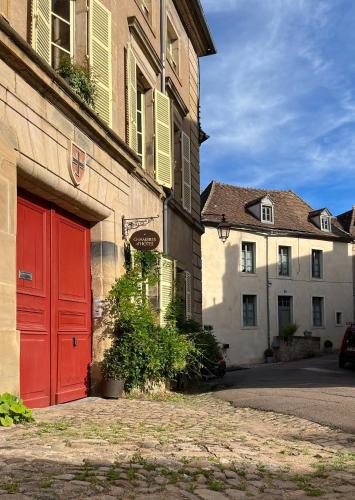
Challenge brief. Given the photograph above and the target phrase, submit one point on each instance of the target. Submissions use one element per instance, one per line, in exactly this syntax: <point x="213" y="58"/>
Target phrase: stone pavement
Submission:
<point x="172" y="446"/>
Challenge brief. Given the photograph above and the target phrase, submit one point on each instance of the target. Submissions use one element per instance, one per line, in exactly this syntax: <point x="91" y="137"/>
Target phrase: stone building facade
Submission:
<point x="283" y="263"/>
<point x="69" y="173"/>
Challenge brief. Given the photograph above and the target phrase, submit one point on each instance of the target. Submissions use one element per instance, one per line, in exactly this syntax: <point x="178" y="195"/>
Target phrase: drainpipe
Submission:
<point x="267" y="293"/>
<point x="162" y="42"/>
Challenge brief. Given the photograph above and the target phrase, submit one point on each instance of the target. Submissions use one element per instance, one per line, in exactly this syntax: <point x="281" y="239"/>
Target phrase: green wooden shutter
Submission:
<point x="188" y="301"/>
<point x="41" y="28"/>
<point x="132" y="99"/>
<point x="163" y="156"/>
<point x="166" y="284"/>
<point x="100" y="58"/>
<point x="186" y="171"/>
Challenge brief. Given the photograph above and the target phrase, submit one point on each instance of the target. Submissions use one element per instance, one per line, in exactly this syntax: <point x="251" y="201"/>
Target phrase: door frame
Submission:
<point x="292" y="305"/>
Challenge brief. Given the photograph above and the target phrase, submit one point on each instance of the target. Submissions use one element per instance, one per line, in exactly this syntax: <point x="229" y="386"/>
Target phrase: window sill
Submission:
<point x="317" y="279"/>
<point x="248" y="328"/>
<point x="284" y="277"/>
<point x="318" y="327"/>
<point x="248" y="274"/>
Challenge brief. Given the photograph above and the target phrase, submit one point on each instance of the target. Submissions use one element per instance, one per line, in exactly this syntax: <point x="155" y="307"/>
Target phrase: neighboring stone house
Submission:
<point x="347" y="221"/>
<point x="69" y="173"/>
<point x="282" y="263"/>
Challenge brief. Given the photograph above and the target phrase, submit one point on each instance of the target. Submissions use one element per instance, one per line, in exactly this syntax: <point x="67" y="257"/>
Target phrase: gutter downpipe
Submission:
<point x="267" y="293"/>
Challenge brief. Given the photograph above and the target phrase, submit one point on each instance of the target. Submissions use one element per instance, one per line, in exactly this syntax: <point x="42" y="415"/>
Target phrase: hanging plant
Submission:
<point x="80" y="79"/>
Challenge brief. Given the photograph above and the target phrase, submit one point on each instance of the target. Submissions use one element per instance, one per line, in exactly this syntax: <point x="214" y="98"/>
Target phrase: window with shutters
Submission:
<point x="317" y="264"/>
<point x="284" y="261"/>
<point x="166" y="286"/>
<point x="141" y="124"/>
<point x="318" y="311"/>
<point x="249" y="303"/>
<point x="53" y="29"/>
<point x="100" y="58"/>
<point x="172" y="46"/>
<point x="163" y="149"/>
<point x="248" y="258"/>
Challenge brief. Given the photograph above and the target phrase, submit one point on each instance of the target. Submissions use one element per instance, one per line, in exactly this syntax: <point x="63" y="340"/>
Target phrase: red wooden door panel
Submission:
<point x="71" y="318"/>
<point x="33" y="301"/>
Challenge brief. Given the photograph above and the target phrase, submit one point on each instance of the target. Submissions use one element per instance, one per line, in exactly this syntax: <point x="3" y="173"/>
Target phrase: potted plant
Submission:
<point x="289" y="330"/>
<point x="269" y="355"/>
<point x="112" y="383"/>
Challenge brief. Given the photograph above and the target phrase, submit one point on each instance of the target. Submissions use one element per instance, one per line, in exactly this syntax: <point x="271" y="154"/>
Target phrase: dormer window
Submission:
<point x="325" y="223"/>
<point x="267" y="213"/>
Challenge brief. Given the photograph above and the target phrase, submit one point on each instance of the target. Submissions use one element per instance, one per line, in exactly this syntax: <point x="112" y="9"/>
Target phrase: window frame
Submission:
<point x="71" y="24"/>
<point x="321" y="277"/>
<point x="142" y="113"/>
<point x="289" y="261"/>
<point x="172" y="40"/>
<point x="256" y="311"/>
<point x="322" y="326"/>
<point x="270" y="206"/>
<point x="336" y="318"/>
<point x="253" y="272"/>
<point x="325" y="219"/>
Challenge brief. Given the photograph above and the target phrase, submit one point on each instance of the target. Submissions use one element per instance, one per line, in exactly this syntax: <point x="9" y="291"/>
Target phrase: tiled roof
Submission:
<point x="291" y="213"/>
<point x="347" y="221"/>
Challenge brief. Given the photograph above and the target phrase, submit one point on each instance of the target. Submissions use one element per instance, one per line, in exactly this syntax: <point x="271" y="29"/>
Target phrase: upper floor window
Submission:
<point x="146" y="6"/>
<point x="325" y="223"/>
<point x="62" y="20"/>
<point x="172" y="46"/>
<point x="140" y="125"/>
<point x="317" y="264"/>
<point x="284" y="261"/>
<point x="248" y="257"/>
<point x="267" y="213"/>
<point x="318" y="311"/>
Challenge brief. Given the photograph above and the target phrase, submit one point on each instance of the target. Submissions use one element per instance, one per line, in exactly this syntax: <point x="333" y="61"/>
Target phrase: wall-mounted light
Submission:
<point x="223" y="228"/>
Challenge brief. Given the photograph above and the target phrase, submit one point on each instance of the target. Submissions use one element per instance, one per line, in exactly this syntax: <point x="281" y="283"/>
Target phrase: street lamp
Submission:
<point x="223" y="229"/>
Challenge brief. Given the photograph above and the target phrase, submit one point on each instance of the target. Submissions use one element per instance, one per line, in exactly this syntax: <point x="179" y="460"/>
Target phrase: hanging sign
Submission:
<point x="145" y="240"/>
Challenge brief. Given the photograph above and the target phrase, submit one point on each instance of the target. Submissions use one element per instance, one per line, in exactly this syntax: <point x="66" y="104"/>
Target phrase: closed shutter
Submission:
<point x="100" y="58"/>
<point x="132" y="99"/>
<point x="166" y="284"/>
<point x="186" y="171"/>
<point x="41" y="28"/>
<point x="188" y="300"/>
<point x="163" y="157"/>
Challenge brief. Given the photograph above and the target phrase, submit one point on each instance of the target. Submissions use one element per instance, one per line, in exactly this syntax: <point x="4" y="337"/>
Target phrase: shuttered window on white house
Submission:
<point x="186" y="171"/>
<point x="100" y="58"/>
<point x="163" y="150"/>
<point x="53" y="30"/>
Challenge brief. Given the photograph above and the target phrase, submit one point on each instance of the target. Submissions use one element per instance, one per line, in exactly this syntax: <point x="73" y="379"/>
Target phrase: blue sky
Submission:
<point x="278" y="100"/>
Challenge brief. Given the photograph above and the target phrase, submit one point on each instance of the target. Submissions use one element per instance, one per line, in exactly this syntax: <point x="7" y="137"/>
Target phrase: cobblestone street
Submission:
<point x="193" y="447"/>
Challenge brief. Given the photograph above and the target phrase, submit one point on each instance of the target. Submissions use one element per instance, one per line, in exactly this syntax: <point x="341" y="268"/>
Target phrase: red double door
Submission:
<point x="53" y="303"/>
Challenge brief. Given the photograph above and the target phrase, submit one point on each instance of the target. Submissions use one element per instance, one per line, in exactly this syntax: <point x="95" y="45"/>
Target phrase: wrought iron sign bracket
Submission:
<point x="129" y="224"/>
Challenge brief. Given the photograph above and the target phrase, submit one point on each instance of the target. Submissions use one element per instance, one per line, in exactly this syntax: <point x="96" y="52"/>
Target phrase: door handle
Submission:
<point x="75" y="342"/>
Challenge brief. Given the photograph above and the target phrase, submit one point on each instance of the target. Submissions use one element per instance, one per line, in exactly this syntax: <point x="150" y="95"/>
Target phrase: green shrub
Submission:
<point x="13" y="411"/>
<point x="289" y="330"/>
<point x="80" y="79"/>
<point x="142" y="352"/>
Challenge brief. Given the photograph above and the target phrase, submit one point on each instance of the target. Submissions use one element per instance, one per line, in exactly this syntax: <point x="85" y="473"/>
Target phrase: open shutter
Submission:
<point x="186" y="171"/>
<point x="163" y="157"/>
<point x="188" y="302"/>
<point x="132" y="99"/>
<point x="165" y="286"/>
<point x="41" y="28"/>
<point x="100" y="58"/>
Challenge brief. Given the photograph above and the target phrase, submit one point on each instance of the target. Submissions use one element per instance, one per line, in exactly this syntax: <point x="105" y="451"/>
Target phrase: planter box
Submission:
<point x="112" y="389"/>
<point x="296" y="347"/>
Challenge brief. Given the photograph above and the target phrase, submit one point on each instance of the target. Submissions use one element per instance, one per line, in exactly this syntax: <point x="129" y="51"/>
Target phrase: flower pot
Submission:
<point x="269" y="359"/>
<point x="112" y="389"/>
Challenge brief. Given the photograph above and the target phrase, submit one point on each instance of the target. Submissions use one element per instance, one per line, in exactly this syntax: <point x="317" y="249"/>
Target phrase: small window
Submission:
<point x="318" y="311"/>
<point x="267" y="214"/>
<point x="339" y="318"/>
<point x="62" y="31"/>
<point x="172" y="46"/>
<point x="317" y="264"/>
<point x="325" y="223"/>
<point x="248" y="257"/>
<point x="284" y="261"/>
<point x="249" y="310"/>
<point x="146" y="6"/>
